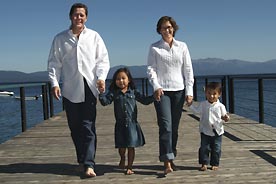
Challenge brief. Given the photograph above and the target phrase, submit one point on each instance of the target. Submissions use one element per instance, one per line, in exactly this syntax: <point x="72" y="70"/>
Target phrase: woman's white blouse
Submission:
<point x="170" y="68"/>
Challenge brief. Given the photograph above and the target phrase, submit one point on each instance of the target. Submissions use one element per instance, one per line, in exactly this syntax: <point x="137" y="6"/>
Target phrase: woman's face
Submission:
<point x="78" y="18"/>
<point x="167" y="31"/>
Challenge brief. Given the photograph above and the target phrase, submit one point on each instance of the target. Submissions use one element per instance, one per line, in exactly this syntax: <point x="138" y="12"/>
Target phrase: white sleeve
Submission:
<point x="54" y="64"/>
<point x="151" y="70"/>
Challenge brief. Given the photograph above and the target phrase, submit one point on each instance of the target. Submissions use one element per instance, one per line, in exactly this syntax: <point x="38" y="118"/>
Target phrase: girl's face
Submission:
<point x="122" y="81"/>
<point x="212" y="95"/>
<point x="167" y="31"/>
<point x="78" y="18"/>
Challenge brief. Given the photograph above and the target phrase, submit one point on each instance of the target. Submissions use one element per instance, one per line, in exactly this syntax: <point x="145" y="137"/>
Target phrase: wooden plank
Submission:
<point x="45" y="153"/>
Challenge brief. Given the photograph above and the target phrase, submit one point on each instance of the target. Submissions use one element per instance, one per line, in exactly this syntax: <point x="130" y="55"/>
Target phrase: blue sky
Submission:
<point x="227" y="29"/>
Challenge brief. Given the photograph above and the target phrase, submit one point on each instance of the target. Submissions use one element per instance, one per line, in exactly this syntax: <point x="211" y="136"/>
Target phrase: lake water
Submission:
<point x="246" y="104"/>
<point x="10" y="112"/>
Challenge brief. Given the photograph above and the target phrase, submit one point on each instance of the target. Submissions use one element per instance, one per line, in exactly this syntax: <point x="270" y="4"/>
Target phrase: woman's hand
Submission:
<point x="56" y="92"/>
<point x="189" y="100"/>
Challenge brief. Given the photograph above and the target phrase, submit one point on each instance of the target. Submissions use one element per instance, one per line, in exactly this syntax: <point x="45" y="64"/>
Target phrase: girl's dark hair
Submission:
<point x="165" y="19"/>
<point x="113" y="85"/>
<point x="78" y="5"/>
<point x="213" y="86"/>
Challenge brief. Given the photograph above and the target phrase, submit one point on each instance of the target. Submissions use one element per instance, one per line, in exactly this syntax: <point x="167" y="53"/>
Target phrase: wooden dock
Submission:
<point x="45" y="153"/>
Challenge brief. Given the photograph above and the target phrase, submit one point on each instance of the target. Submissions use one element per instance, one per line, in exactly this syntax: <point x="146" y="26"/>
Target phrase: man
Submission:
<point x="79" y="58"/>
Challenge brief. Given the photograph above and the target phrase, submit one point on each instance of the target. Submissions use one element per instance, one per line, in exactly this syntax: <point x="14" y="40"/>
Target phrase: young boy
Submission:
<point x="212" y="115"/>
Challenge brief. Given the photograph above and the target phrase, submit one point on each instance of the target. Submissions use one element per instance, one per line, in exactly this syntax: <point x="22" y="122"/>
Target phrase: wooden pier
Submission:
<point x="45" y="154"/>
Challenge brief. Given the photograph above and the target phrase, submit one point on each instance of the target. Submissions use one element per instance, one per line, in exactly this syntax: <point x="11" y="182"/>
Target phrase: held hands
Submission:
<point x="157" y="94"/>
<point x="56" y="92"/>
<point x="189" y="100"/>
<point x="101" y="86"/>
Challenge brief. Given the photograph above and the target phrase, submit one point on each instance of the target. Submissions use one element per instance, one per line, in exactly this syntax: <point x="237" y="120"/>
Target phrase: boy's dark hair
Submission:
<point x="78" y="5"/>
<point x="113" y="85"/>
<point x="213" y="86"/>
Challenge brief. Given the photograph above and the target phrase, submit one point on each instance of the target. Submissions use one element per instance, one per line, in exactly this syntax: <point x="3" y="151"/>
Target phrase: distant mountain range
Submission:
<point x="208" y="66"/>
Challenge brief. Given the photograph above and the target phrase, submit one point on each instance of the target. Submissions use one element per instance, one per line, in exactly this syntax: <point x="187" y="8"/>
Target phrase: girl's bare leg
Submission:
<point x="130" y="157"/>
<point x="122" y="152"/>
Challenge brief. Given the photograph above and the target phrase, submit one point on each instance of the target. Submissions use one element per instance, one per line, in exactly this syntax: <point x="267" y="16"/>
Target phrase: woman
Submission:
<point x="170" y="72"/>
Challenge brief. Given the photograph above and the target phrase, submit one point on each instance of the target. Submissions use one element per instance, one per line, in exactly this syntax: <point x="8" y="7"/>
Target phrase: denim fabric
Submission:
<point x="81" y="121"/>
<point x="128" y="132"/>
<point x="169" y="111"/>
<point x="210" y="149"/>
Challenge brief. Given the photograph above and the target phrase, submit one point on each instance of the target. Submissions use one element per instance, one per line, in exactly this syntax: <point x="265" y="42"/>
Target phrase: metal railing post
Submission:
<point x="147" y="88"/>
<point x="231" y="94"/>
<point x="195" y="89"/>
<point x="143" y="86"/>
<point x="224" y="91"/>
<point x="23" y="109"/>
<point x="261" y="100"/>
<point x="50" y="100"/>
<point x="206" y="82"/>
<point x="45" y="102"/>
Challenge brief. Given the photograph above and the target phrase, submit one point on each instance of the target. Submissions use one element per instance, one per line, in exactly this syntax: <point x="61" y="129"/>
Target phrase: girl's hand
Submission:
<point x="101" y="86"/>
<point x="158" y="93"/>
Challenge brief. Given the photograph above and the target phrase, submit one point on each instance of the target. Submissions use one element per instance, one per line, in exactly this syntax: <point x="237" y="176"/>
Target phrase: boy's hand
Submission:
<point x="225" y="118"/>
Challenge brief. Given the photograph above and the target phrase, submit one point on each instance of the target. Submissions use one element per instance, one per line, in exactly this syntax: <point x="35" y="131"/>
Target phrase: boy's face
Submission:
<point x="212" y="95"/>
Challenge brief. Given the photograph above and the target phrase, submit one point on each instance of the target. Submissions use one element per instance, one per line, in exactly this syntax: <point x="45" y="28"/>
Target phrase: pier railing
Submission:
<point x="244" y="94"/>
<point x="232" y="97"/>
<point x="47" y="99"/>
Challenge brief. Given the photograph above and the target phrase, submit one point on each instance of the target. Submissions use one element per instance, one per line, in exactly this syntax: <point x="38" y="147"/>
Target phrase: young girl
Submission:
<point x="128" y="133"/>
<point x="212" y="115"/>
